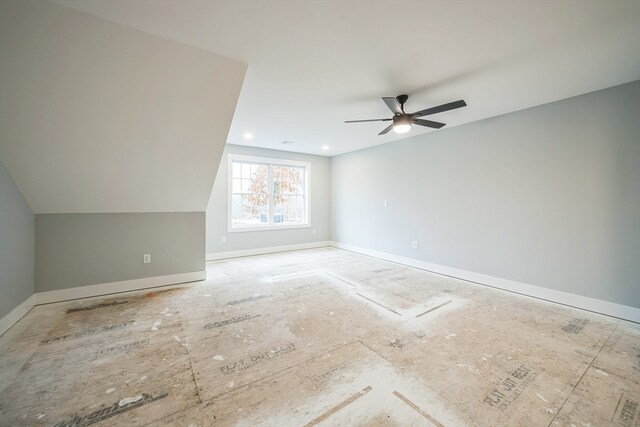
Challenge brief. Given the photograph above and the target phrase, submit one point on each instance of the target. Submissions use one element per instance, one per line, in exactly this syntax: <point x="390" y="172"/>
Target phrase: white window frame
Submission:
<point x="270" y="161"/>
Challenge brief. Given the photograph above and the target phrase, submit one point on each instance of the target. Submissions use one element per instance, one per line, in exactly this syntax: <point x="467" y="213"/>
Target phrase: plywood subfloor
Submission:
<point x="320" y="337"/>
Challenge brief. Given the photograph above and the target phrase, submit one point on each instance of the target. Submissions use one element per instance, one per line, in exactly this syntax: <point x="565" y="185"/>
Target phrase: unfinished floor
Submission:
<point x="319" y="337"/>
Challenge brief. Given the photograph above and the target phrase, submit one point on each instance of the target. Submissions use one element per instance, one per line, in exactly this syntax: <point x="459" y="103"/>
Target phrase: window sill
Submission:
<point x="266" y="228"/>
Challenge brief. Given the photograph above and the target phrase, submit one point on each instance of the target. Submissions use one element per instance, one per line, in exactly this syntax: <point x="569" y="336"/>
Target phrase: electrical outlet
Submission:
<point x="386" y="204"/>
<point x="146" y="258"/>
<point x="414" y="245"/>
<point x="223" y="239"/>
<point x="313" y="231"/>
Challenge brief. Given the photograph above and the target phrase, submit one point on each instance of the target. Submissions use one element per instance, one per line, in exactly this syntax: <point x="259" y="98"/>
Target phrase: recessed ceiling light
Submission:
<point x="325" y="147"/>
<point x="287" y="142"/>
<point x="248" y="135"/>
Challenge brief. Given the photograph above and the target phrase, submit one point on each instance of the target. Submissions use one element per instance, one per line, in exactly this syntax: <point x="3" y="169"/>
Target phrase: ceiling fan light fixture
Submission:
<point x="401" y="125"/>
<point x="402" y="128"/>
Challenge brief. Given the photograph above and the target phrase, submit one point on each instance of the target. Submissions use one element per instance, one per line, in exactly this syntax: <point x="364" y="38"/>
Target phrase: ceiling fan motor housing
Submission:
<point x="404" y="119"/>
<point x="402" y="99"/>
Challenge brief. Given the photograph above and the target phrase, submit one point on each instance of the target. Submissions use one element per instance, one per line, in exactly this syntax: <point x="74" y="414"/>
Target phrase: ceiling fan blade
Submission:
<point x="427" y="123"/>
<point x="387" y="129"/>
<point x="393" y="104"/>
<point x="371" y="120"/>
<point x="440" y="108"/>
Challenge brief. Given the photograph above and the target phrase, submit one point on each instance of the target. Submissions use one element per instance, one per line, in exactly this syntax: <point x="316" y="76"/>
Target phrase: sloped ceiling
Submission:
<point x="98" y="117"/>
<point x="314" y="64"/>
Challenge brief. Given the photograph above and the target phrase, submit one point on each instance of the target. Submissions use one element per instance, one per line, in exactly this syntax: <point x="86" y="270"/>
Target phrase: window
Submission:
<point x="267" y="193"/>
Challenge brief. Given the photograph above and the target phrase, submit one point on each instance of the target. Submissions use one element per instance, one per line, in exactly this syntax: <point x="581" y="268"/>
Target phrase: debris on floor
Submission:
<point x="319" y="337"/>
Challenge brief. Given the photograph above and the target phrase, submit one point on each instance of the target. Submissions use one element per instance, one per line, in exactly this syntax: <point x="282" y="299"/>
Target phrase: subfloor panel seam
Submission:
<point x="582" y="376"/>
<point x="193" y="374"/>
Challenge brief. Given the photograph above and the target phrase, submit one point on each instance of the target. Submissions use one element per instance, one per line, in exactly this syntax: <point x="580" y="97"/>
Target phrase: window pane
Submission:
<point x="288" y="179"/>
<point x="246" y="170"/>
<point x="289" y="209"/>
<point x="259" y="176"/>
<point x="244" y="185"/>
<point x="289" y="199"/>
<point x="254" y="208"/>
<point x="249" y="209"/>
<point x="236" y="170"/>
<point x="249" y="199"/>
<point x="236" y="186"/>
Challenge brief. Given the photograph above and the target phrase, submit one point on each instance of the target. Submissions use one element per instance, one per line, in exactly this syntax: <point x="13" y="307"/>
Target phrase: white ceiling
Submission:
<point x="313" y="65"/>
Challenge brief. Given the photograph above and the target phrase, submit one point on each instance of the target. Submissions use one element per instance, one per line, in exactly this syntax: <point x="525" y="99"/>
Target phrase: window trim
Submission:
<point x="271" y="161"/>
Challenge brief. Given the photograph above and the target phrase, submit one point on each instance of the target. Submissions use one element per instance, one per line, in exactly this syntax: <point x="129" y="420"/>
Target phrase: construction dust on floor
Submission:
<point x="319" y="337"/>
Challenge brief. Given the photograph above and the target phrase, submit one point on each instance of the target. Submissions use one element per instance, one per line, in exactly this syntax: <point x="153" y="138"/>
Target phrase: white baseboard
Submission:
<point x="164" y="282"/>
<point x="268" y="250"/>
<point x="16" y="314"/>
<point x="118" y="287"/>
<point x="578" y="301"/>
<point x="174" y="280"/>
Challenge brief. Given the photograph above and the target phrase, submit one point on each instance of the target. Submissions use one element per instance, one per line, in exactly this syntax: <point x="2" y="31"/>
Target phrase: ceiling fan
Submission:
<point x="402" y="121"/>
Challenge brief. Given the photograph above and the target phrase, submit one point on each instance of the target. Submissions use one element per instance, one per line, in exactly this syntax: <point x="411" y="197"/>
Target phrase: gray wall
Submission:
<point x="86" y="249"/>
<point x="320" y="183"/>
<point x="17" y="237"/>
<point x="548" y="196"/>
